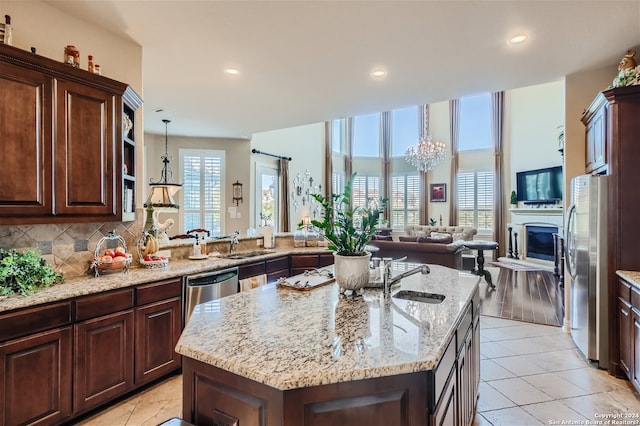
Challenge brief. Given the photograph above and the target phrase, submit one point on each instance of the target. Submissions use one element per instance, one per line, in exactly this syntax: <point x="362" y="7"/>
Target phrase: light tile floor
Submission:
<point x="530" y="375"/>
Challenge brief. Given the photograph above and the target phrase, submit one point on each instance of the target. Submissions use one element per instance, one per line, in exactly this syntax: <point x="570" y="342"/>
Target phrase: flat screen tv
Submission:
<point x="540" y="185"/>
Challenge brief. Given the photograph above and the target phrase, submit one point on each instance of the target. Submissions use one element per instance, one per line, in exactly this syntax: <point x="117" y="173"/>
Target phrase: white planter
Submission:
<point x="352" y="272"/>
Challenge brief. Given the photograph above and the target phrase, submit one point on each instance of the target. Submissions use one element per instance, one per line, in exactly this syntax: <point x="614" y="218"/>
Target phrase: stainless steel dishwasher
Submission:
<point x="208" y="286"/>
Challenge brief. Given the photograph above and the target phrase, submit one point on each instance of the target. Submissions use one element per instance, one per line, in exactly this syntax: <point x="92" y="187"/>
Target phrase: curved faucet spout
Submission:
<point x="389" y="281"/>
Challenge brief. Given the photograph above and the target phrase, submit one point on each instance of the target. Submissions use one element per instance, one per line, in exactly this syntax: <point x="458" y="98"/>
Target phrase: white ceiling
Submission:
<point x="305" y="62"/>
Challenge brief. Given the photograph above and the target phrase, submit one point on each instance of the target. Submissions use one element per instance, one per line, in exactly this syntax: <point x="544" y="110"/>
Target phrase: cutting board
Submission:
<point x="305" y="282"/>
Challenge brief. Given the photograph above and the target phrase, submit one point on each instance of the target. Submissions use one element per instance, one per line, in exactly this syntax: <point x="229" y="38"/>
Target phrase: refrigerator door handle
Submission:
<point x="570" y="259"/>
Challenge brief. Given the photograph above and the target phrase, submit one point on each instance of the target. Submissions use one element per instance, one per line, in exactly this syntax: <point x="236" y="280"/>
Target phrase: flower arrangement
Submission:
<point x="348" y="229"/>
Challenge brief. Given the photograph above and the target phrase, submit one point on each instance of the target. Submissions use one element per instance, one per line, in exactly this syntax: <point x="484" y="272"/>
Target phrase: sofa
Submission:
<point x="439" y="245"/>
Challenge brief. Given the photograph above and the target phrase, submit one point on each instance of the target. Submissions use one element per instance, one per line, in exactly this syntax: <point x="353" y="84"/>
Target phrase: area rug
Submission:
<point x="514" y="266"/>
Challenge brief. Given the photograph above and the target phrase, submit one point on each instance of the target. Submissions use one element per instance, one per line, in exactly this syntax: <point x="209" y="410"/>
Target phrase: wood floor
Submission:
<point x="532" y="296"/>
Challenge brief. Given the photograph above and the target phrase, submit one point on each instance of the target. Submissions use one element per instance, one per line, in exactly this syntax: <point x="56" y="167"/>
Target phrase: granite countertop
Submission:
<point x="289" y="339"/>
<point x="632" y="277"/>
<point x="80" y="286"/>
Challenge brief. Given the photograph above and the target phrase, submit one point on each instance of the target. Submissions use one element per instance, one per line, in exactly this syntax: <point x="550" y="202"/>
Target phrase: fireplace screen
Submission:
<point x="540" y="242"/>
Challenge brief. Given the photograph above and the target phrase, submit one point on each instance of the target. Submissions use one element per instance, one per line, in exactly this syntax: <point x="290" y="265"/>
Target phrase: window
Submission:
<point x="405" y="201"/>
<point x="202" y="191"/>
<point x="405" y="129"/>
<point x="365" y="189"/>
<point x="338" y="136"/>
<point x="366" y="136"/>
<point x="475" y="200"/>
<point x="475" y="123"/>
<point x="266" y="195"/>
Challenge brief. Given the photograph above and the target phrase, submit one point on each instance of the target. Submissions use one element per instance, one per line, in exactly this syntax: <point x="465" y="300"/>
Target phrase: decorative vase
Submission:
<point x="351" y="272"/>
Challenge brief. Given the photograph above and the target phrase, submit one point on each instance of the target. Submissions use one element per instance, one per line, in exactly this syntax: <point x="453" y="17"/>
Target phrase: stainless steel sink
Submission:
<point x="247" y="254"/>
<point x="419" y="296"/>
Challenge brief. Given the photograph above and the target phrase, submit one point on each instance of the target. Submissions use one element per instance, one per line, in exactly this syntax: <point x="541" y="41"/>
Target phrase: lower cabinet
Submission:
<point x="629" y="328"/>
<point x="446" y="412"/>
<point x="103" y="366"/>
<point x="158" y="323"/>
<point x="98" y="348"/>
<point x="35" y="378"/>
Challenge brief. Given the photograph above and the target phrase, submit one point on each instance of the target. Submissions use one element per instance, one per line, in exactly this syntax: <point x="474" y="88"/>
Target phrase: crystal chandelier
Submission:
<point x="427" y="153"/>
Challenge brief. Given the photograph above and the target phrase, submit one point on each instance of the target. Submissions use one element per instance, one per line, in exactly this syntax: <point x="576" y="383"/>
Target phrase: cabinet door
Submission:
<point x="35" y="378"/>
<point x="157" y="333"/>
<point x="596" y="139"/>
<point x="26" y="135"/>
<point x="103" y="367"/>
<point x="635" y="370"/>
<point x="465" y="380"/>
<point x="85" y="152"/>
<point x="626" y="336"/>
<point x="446" y="413"/>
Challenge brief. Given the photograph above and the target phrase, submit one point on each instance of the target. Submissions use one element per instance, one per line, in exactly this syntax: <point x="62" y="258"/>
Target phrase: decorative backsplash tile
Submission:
<point x="69" y="248"/>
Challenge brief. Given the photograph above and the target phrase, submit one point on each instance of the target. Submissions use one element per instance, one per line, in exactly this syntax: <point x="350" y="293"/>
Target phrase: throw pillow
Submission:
<point x="440" y="239"/>
<point x="407" y="239"/>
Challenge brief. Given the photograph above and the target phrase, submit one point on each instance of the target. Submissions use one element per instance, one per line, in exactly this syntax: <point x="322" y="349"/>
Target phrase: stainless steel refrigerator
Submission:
<point x="586" y="248"/>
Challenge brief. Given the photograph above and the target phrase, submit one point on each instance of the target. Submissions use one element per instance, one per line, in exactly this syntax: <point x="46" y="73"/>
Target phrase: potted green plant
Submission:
<point x="514" y="198"/>
<point x="348" y="230"/>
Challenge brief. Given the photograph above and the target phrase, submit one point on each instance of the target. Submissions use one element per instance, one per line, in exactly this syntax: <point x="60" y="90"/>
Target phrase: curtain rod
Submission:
<point x="255" y="151"/>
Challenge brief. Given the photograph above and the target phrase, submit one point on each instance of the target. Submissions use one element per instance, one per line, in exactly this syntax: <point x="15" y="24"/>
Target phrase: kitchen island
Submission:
<point x="280" y="356"/>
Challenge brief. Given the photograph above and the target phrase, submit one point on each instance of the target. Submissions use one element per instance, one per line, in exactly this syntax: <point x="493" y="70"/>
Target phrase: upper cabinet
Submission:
<point x="68" y="140"/>
<point x="595" y="136"/>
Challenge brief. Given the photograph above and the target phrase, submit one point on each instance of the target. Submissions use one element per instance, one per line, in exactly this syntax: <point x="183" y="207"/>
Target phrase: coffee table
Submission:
<point x="481" y="246"/>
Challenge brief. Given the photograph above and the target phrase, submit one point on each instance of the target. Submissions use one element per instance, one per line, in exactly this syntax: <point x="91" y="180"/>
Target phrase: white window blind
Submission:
<point x="202" y="190"/>
<point x="405" y="200"/>
<point x="475" y="199"/>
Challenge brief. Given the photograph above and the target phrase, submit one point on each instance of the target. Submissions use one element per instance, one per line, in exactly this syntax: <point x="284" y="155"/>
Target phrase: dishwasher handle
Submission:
<point x="208" y="278"/>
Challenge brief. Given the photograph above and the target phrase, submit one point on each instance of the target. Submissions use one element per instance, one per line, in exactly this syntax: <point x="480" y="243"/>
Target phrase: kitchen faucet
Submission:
<point x="234" y="240"/>
<point x="388" y="281"/>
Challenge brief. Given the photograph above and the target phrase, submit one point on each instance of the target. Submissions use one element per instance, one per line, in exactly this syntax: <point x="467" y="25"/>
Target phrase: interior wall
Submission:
<point x="439" y="123"/>
<point x="305" y="145"/>
<point x="236" y="168"/>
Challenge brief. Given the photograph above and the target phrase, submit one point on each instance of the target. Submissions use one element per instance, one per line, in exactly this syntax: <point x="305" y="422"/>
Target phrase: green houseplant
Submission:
<point x="25" y="273"/>
<point x="348" y="230"/>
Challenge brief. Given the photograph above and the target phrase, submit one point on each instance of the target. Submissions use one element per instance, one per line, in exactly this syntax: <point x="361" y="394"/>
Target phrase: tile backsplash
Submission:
<point x="69" y="247"/>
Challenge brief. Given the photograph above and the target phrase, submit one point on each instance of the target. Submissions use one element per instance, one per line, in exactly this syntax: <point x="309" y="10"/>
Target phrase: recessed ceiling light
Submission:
<point x="232" y="71"/>
<point x="517" y="39"/>
<point x="378" y="73"/>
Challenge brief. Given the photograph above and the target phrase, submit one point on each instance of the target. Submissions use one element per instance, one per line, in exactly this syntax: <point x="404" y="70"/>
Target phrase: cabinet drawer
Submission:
<point x="635" y="298"/>
<point x="476" y="304"/>
<point x="326" y="260"/>
<point x="277" y="264"/>
<point x="304" y="261"/>
<point x="103" y="304"/>
<point x="31" y="320"/>
<point x="157" y="291"/>
<point x="250" y="270"/>
<point x="624" y="290"/>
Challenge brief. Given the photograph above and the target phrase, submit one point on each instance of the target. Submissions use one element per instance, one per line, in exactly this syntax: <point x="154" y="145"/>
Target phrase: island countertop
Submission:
<point x="290" y="339"/>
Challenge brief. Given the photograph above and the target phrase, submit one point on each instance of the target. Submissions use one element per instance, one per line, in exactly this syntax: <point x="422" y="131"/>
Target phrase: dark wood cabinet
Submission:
<point x="306" y="262"/>
<point x="75" y="355"/>
<point x="158" y="325"/>
<point x="35" y="378"/>
<point x="629" y="326"/>
<point x="446" y="412"/>
<point x="596" y="137"/>
<point x="103" y="364"/>
<point x="277" y="268"/>
<point x="618" y="109"/>
<point x="22" y="140"/>
<point x="65" y="125"/>
<point x="635" y="330"/>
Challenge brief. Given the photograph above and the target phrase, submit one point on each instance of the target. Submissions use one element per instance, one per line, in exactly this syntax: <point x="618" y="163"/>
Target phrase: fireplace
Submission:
<point x="539" y="242"/>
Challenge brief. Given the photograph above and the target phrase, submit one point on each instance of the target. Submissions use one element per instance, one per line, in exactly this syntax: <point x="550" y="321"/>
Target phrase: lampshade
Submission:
<point x="161" y="196"/>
